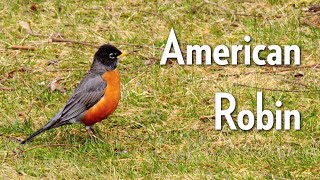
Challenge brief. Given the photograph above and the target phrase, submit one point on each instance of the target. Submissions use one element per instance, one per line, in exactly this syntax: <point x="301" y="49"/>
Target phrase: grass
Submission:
<point x="156" y="131"/>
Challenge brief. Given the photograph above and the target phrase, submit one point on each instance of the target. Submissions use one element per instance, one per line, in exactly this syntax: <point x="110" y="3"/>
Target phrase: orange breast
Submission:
<point x="109" y="102"/>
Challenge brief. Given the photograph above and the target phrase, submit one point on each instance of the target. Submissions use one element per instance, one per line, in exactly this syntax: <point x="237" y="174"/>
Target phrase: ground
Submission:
<point x="164" y="125"/>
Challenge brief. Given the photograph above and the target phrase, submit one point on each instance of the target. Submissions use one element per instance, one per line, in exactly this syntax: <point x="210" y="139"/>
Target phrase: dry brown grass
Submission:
<point x="156" y="131"/>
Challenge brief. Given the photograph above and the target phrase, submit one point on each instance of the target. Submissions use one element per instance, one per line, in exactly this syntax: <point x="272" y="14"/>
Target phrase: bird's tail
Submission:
<point x="34" y="135"/>
<point x="51" y="124"/>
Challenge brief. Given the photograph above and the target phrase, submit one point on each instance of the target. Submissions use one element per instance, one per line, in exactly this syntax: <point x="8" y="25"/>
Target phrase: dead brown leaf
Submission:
<point x="33" y="7"/>
<point x="26" y="26"/>
<point x="55" y="85"/>
<point x="299" y="75"/>
<point x="314" y="8"/>
<point x="149" y="61"/>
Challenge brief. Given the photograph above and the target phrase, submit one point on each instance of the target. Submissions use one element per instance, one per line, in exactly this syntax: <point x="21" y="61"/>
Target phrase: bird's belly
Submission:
<point x="108" y="103"/>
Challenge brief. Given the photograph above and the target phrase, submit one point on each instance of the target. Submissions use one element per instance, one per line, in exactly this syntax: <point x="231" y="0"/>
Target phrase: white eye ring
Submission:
<point x="111" y="56"/>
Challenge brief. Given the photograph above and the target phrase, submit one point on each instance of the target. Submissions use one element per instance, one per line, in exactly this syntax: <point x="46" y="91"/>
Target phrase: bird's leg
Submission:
<point x="92" y="129"/>
<point x="91" y="133"/>
<point x="96" y="133"/>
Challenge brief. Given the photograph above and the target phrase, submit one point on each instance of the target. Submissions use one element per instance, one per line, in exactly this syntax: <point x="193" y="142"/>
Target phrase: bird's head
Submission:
<point x="108" y="55"/>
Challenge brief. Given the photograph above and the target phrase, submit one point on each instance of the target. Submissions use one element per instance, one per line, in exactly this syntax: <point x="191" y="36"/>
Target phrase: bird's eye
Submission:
<point x="112" y="56"/>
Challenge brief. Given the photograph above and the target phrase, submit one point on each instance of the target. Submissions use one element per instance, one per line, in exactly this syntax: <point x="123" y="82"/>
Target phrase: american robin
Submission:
<point x="95" y="98"/>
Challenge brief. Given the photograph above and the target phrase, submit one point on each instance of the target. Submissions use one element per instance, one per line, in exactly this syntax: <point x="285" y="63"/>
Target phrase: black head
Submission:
<point x="108" y="56"/>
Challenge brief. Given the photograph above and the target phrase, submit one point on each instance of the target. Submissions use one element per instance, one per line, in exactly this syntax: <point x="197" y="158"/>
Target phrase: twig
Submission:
<point x="138" y="45"/>
<point x="270" y="89"/>
<point x="17" y="47"/>
<point x="6" y="89"/>
<point x="207" y="117"/>
<point x="297" y="83"/>
<point x="72" y="41"/>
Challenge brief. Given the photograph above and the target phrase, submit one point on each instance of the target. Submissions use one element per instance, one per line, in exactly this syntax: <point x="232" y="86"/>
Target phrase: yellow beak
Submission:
<point x="123" y="53"/>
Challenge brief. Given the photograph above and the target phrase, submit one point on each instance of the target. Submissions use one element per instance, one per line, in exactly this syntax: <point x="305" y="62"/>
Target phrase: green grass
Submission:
<point x="156" y="132"/>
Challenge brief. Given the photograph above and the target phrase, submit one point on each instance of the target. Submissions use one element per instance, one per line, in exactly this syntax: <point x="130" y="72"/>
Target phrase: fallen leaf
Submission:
<point x="22" y="116"/>
<point x="299" y="75"/>
<point x="53" y="62"/>
<point x="104" y="29"/>
<point x="311" y="17"/>
<point x="55" y="86"/>
<point x="314" y="8"/>
<point x="149" y="62"/>
<point x="33" y="7"/>
<point x="25" y="26"/>
<point x="313" y="21"/>
<point x="234" y="25"/>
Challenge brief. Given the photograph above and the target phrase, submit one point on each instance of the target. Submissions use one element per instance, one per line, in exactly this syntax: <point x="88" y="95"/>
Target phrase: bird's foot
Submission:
<point x="92" y="130"/>
<point x="91" y="133"/>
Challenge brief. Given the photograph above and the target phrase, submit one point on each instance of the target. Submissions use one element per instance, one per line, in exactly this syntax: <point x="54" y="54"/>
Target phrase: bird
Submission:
<point x="95" y="98"/>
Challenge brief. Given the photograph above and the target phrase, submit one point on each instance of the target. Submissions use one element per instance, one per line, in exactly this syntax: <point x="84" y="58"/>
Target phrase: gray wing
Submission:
<point x="88" y="93"/>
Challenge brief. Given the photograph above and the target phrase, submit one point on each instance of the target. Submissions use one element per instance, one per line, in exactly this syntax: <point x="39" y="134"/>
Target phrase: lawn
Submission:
<point x="163" y="127"/>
